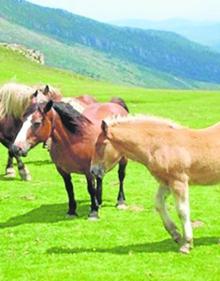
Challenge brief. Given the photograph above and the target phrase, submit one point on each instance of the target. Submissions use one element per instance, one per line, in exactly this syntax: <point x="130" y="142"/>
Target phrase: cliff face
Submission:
<point x="33" y="55"/>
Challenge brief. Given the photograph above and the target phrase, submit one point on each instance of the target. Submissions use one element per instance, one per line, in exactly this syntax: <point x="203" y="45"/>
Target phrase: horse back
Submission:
<point x="100" y="111"/>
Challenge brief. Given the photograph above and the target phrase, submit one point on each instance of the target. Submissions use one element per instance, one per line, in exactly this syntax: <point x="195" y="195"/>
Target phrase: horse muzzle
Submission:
<point x="18" y="151"/>
<point x="97" y="171"/>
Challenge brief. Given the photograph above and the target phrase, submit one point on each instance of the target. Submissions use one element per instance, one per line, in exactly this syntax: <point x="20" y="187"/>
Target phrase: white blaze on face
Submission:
<point x="21" y="139"/>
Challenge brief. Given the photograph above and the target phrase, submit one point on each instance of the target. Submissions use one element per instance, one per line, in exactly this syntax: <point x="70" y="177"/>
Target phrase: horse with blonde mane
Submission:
<point x="14" y="100"/>
<point x="176" y="156"/>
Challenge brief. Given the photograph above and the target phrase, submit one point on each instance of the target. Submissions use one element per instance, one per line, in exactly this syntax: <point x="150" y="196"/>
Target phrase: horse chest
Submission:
<point x="71" y="159"/>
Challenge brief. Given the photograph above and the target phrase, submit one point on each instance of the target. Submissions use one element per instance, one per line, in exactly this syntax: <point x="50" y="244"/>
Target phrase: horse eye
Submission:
<point x="36" y="125"/>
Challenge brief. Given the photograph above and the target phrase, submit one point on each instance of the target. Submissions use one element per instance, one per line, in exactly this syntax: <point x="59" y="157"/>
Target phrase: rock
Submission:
<point x="33" y="55"/>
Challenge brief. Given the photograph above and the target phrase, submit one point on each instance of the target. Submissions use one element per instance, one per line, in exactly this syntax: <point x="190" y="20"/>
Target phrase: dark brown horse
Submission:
<point x="14" y="100"/>
<point x="73" y="136"/>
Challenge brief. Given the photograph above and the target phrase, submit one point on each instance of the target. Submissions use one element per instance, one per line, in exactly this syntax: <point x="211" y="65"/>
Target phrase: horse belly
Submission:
<point x="207" y="174"/>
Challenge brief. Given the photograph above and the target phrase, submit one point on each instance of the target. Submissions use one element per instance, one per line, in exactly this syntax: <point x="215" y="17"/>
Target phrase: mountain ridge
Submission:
<point x="161" y="52"/>
<point x="202" y="32"/>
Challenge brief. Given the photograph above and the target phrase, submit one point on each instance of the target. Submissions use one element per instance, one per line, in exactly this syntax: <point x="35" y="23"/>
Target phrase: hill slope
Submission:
<point x="206" y="33"/>
<point x="146" y="50"/>
<point x="89" y="62"/>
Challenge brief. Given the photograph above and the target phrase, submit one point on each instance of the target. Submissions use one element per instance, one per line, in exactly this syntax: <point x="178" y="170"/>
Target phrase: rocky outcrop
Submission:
<point x="33" y="55"/>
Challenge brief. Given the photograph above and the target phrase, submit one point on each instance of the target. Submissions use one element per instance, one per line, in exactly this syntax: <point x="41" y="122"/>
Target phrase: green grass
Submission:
<point x="39" y="242"/>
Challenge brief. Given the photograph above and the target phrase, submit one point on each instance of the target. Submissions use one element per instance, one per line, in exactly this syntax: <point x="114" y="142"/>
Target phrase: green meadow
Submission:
<point x="40" y="242"/>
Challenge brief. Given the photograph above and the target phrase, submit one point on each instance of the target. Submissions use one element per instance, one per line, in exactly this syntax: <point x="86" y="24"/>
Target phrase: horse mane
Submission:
<point x="72" y="119"/>
<point x="120" y="101"/>
<point x="14" y="99"/>
<point x="76" y="104"/>
<point x="141" y="118"/>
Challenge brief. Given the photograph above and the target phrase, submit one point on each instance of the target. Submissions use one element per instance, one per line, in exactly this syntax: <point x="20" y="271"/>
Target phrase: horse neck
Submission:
<point x="62" y="136"/>
<point x="131" y="142"/>
<point x="59" y="133"/>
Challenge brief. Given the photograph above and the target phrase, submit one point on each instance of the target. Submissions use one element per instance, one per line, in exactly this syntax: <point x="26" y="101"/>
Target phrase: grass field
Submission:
<point x="39" y="242"/>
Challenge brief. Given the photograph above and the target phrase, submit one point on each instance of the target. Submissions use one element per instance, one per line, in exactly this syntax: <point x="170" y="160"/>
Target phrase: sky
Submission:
<point x="108" y="10"/>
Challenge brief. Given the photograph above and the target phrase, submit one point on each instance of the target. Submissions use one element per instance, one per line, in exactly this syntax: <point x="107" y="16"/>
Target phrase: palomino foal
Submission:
<point x="175" y="156"/>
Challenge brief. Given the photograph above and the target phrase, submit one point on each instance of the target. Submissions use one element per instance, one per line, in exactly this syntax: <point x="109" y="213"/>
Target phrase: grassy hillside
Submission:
<point x="154" y="50"/>
<point x="39" y="242"/>
<point x="92" y="63"/>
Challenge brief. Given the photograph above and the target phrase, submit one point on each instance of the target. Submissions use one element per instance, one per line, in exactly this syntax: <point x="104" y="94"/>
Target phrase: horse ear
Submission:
<point x="48" y="106"/>
<point x="34" y="95"/>
<point x="46" y="90"/>
<point x="104" y="127"/>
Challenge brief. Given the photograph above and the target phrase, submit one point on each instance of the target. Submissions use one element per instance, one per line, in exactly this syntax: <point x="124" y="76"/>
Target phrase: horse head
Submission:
<point x="105" y="155"/>
<point x="44" y="94"/>
<point x="37" y="127"/>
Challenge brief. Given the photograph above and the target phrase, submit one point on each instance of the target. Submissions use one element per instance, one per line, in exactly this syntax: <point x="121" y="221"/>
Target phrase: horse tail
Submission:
<point x="121" y="102"/>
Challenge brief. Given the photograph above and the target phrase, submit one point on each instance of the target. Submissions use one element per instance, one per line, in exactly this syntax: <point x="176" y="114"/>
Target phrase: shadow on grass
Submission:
<point x="163" y="246"/>
<point x="48" y="214"/>
<point x="39" y="162"/>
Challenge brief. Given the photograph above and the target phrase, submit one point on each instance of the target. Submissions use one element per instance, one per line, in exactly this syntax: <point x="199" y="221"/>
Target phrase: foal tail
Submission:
<point x="121" y="102"/>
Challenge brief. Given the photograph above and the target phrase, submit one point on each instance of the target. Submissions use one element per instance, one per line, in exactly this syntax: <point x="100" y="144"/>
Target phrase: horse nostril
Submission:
<point x="16" y="150"/>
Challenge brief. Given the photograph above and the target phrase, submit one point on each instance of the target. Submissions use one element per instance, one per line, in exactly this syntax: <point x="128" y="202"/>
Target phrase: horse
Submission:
<point x="73" y="136"/>
<point x="175" y="155"/>
<point x="14" y="100"/>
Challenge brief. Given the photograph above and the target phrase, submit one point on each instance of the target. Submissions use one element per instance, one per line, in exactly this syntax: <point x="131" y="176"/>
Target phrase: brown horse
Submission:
<point x="73" y="136"/>
<point x="14" y="100"/>
<point x="175" y="156"/>
<point x="79" y="102"/>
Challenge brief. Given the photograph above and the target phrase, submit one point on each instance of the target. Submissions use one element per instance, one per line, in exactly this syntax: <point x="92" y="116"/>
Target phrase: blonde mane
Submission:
<point x="14" y="99"/>
<point x="112" y="121"/>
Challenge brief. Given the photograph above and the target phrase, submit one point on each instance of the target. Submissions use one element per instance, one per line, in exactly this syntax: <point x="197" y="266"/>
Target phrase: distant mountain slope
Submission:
<point x="206" y="33"/>
<point x="162" y="54"/>
<point x="89" y="62"/>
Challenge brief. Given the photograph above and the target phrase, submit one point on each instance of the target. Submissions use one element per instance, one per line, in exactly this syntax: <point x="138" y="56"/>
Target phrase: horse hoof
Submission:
<point x="10" y="176"/>
<point x="121" y="206"/>
<point x="71" y="214"/>
<point x="10" y="173"/>
<point x="93" y="216"/>
<point x="185" y="249"/>
<point x="25" y="174"/>
<point x="27" y="178"/>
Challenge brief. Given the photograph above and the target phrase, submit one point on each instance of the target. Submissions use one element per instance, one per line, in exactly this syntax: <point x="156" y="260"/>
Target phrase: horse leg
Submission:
<point x="94" y="202"/>
<point x="181" y="194"/>
<point x="70" y="192"/>
<point x="99" y="190"/>
<point x="171" y="228"/>
<point x="121" y="175"/>
<point x="10" y="171"/>
<point x="23" y="171"/>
